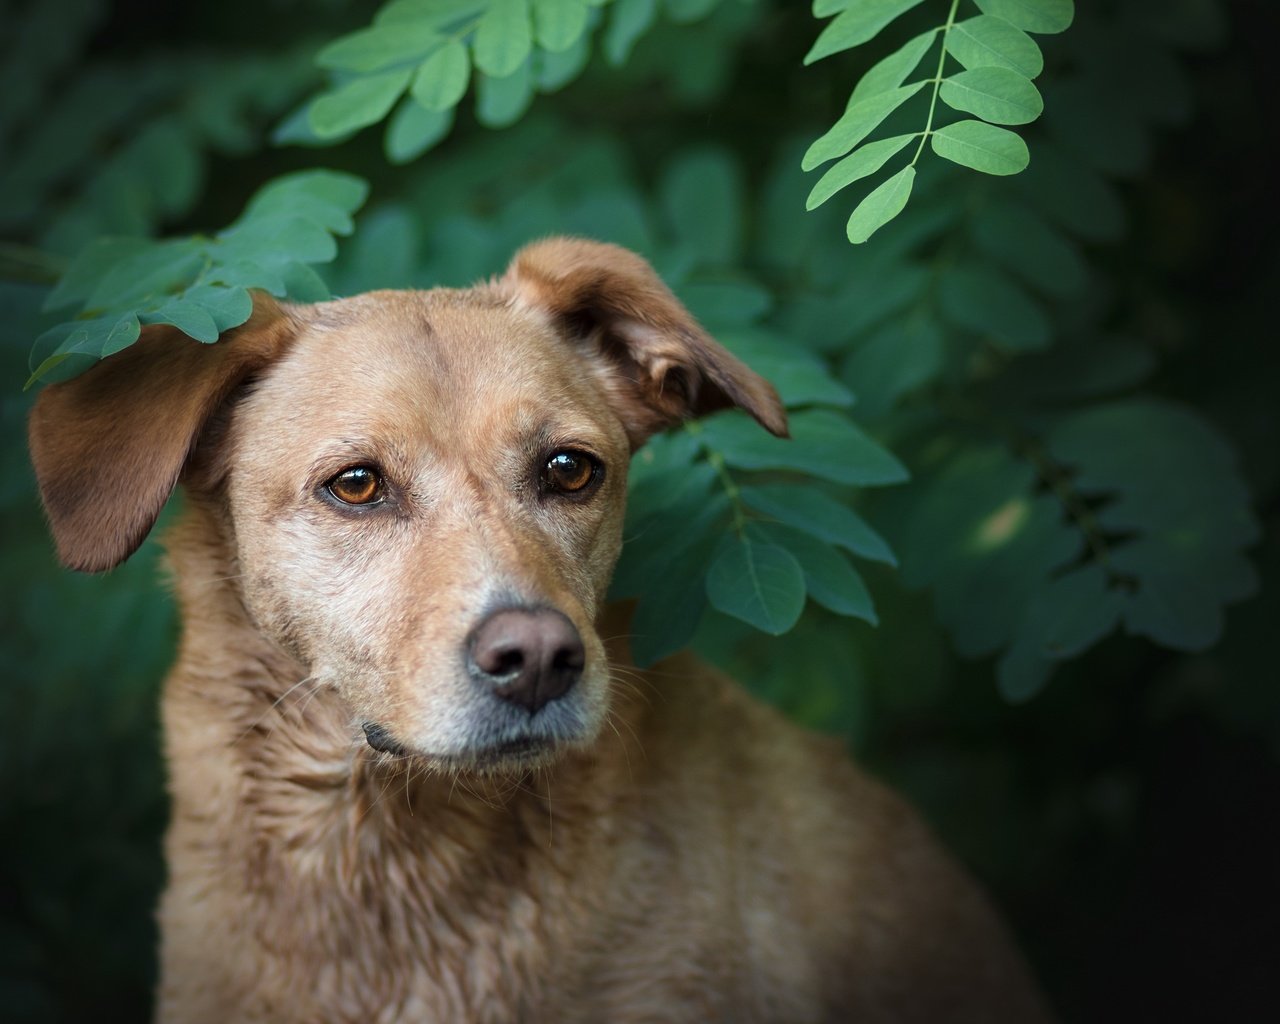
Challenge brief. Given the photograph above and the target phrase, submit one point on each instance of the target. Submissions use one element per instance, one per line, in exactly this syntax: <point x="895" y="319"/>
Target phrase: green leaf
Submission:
<point x="857" y="24"/>
<point x="726" y="304"/>
<point x="859" y="121"/>
<point x="1024" y="243"/>
<point x="501" y="102"/>
<point x="442" y="79"/>
<point x="900" y="356"/>
<point x="984" y="41"/>
<point x="761" y="584"/>
<point x="558" y="24"/>
<point x="823" y="443"/>
<point x="884" y="203"/>
<point x="503" y="38"/>
<point x="188" y="317"/>
<point x="981" y="146"/>
<point x="666" y="619"/>
<point x="984" y="301"/>
<point x="413" y="130"/>
<point x="380" y="46"/>
<point x="229" y="307"/>
<point x="816" y="512"/>
<point x="328" y="198"/>
<point x="629" y="20"/>
<point x="95" y="259"/>
<point x="994" y="94"/>
<point x="276" y="239"/>
<point x="829" y="577"/>
<point x="799" y="377"/>
<point x="554" y="71"/>
<point x="1042" y="16"/>
<point x="360" y="102"/>
<point x="701" y="193"/>
<point x="893" y="70"/>
<point x="859" y="164"/>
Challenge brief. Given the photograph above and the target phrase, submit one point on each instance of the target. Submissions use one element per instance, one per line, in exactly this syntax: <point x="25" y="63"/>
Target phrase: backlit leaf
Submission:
<point x="859" y="164"/>
<point x="1043" y="16"/>
<point x="984" y="147"/>
<point x="984" y="41"/>
<point x="883" y="204"/>
<point x="994" y="94"/>
<point x="855" y="25"/>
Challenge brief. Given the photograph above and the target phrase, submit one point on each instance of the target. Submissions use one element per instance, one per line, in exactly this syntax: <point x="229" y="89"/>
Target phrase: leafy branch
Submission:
<point x="998" y="60"/>
<point x="199" y="285"/>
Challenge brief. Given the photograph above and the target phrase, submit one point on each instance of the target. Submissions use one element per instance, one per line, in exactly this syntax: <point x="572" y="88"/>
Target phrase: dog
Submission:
<point x="414" y="776"/>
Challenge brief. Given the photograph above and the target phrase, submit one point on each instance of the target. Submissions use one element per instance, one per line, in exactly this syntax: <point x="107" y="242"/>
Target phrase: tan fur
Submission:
<point x="673" y="852"/>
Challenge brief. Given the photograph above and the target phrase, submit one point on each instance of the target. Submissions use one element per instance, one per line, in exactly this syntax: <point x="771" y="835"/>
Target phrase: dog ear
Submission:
<point x="665" y="367"/>
<point x="109" y="445"/>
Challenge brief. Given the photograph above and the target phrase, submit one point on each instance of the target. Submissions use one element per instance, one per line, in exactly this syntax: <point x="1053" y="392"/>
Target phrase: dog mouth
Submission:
<point x="517" y="752"/>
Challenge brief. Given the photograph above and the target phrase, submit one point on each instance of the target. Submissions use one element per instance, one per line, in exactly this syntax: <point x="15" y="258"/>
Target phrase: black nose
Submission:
<point x="530" y="656"/>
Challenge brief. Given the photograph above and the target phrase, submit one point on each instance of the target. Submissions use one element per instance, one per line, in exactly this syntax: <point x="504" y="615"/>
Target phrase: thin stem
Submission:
<point x="936" y="80"/>
<point x="731" y="489"/>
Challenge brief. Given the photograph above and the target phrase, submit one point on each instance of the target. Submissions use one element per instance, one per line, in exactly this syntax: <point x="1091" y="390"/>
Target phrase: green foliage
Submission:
<point x="998" y="61"/>
<point x="422" y="55"/>
<point x="1003" y="387"/>
<point x="199" y="285"/>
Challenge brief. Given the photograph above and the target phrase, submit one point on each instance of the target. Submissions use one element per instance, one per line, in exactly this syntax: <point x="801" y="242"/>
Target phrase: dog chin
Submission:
<point x="494" y="749"/>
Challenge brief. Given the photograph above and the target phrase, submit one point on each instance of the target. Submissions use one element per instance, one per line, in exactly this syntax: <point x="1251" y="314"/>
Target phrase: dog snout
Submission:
<point x="529" y="656"/>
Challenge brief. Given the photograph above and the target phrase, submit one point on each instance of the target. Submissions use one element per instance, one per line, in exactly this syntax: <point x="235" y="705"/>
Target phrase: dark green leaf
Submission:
<point x="828" y="575"/>
<point x="761" y="584"/>
<point x="799" y="377"/>
<point x="702" y="197"/>
<point x="94" y="260"/>
<point x="823" y="443"/>
<point x="1026" y="245"/>
<point x="898" y="357"/>
<point x="984" y="301"/>
<point x="816" y="512"/>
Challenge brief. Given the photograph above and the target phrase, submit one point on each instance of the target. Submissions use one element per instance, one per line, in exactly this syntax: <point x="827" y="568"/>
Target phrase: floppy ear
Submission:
<point x="665" y="367"/>
<point x="108" y="446"/>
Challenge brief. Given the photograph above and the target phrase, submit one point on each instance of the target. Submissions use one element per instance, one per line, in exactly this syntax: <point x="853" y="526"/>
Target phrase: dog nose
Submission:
<point x="530" y="656"/>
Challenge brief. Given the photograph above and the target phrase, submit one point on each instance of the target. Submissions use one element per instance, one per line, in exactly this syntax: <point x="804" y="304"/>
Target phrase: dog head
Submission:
<point x="423" y="491"/>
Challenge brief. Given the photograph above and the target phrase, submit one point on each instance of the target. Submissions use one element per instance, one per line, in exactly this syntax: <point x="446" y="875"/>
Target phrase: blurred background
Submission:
<point x="1125" y="815"/>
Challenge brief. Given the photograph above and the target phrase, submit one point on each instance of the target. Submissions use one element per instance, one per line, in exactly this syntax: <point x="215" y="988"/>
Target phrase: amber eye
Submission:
<point x="359" y="485"/>
<point x="570" y="472"/>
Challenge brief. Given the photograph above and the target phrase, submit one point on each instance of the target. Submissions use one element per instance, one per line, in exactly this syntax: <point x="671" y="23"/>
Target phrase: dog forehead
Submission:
<point x="427" y="364"/>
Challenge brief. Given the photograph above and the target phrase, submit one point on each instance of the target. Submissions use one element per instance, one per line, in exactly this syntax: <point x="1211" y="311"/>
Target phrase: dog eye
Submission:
<point x="359" y="485"/>
<point x="570" y="472"/>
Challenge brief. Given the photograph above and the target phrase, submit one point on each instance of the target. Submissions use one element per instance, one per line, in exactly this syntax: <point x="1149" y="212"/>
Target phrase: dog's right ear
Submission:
<point x="109" y="445"/>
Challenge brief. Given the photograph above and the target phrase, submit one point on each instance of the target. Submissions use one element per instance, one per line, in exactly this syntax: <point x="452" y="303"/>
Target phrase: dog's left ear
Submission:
<point x="665" y="367"/>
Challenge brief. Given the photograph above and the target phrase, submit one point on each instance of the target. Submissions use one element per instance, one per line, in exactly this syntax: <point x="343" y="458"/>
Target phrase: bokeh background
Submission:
<point x="1125" y="817"/>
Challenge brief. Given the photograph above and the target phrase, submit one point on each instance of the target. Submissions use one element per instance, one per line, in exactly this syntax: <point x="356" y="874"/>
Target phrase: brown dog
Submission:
<point x="413" y="776"/>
